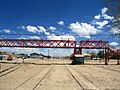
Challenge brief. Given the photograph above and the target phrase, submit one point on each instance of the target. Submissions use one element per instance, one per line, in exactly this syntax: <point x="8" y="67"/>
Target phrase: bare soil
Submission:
<point x="37" y="74"/>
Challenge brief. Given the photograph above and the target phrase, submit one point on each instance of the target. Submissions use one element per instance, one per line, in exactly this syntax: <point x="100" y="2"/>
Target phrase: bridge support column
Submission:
<point x="80" y="51"/>
<point x="74" y="51"/>
<point x="118" y="60"/>
<point x="106" y="56"/>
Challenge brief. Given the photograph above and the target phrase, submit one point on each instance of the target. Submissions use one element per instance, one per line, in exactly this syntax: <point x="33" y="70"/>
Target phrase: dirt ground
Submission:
<point x="36" y="74"/>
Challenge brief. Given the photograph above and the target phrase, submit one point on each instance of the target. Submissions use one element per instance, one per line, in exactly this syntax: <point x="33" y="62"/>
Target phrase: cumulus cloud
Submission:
<point x="47" y="33"/>
<point x="101" y="24"/>
<point x="104" y="15"/>
<point x="6" y="30"/>
<point x="102" y="19"/>
<point x="83" y="29"/>
<point x="52" y="28"/>
<point x="38" y="29"/>
<point x="21" y="27"/>
<point x="60" y="23"/>
<point x="22" y="38"/>
<point x="61" y="37"/>
<point x="32" y="29"/>
<point x="104" y="10"/>
<point x="97" y="16"/>
<point x="114" y="44"/>
<point x="20" y="50"/>
<point x="115" y="30"/>
<point x="34" y="37"/>
<point x="41" y="29"/>
<point x="67" y="37"/>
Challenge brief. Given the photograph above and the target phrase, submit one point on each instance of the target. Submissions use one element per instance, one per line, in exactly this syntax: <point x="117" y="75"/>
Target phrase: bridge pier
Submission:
<point x="74" y="51"/>
<point x="80" y="51"/>
<point x="106" y="56"/>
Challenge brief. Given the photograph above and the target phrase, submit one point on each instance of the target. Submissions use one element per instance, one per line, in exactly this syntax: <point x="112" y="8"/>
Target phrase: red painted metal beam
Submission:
<point x="94" y="44"/>
<point x="37" y="43"/>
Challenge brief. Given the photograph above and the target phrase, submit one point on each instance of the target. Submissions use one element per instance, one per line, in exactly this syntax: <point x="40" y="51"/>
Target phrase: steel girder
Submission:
<point x="37" y="43"/>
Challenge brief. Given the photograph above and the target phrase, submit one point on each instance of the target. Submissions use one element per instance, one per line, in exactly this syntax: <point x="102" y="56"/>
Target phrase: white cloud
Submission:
<point x="101" y="24"/>
<point x="53" y="37"/>
<point x="6" y="30"/>
<point x="33" y="37"/>
<point x="41" y="29"/>
<point x="102" y="20"/>
<point x="32" y="29"/>
<point x="97" y="16"/>
<point x="22" y="38"/>
<point x="114" y="44"/>
<point x="105" y="16"/>
<point x="21" y="27"/>
<point x="60" y="52"/>
<point x="61" y="37"/>
<point x="67" y="37"/>
<point x="37" y="29"/>
<point x="60" y="23"/>
<point x="115" y="30"/>
<point x="104" y="10"/>
<point x="52" y="28"/>
<point x="19" y="50"/>
<point x="52" y="52"/>
<point x="83" y="29"/>
<point x="47" y="33"/>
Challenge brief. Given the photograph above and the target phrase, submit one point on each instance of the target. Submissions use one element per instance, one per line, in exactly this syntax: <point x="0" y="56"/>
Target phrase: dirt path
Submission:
<point x="59" y="78"/>
<point x="102" y="78"/>
<point x="109" y="67"/>
<point x="84" y="82"/>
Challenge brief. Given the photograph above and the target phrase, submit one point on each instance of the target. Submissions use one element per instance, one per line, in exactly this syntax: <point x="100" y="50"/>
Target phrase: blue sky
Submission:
<point x="56" y="19"/>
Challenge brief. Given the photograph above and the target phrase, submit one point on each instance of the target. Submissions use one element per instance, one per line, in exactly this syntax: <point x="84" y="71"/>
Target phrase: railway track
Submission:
<point x="75" y="79"/>
<point x="42" y="78"/>
<point x="39" y="78"/>
<point x="81" y="79"/>
<point x="9" y="70"/>
<point x="10" y="67"/>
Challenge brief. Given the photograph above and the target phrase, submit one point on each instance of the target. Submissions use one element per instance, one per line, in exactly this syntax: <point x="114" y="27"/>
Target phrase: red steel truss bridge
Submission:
<point x="84" y="44"/>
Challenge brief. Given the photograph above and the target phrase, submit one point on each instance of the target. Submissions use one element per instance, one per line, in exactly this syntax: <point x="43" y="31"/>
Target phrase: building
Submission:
<point x="34" y="55"/>
<point x="87" y="56"/>
<point x="40" y="56"/>
<point x="22" y="56"/>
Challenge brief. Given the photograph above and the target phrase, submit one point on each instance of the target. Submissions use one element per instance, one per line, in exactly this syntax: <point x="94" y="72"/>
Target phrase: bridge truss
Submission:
<point x="86" y="44"/>
<point x="99" y="44"/>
